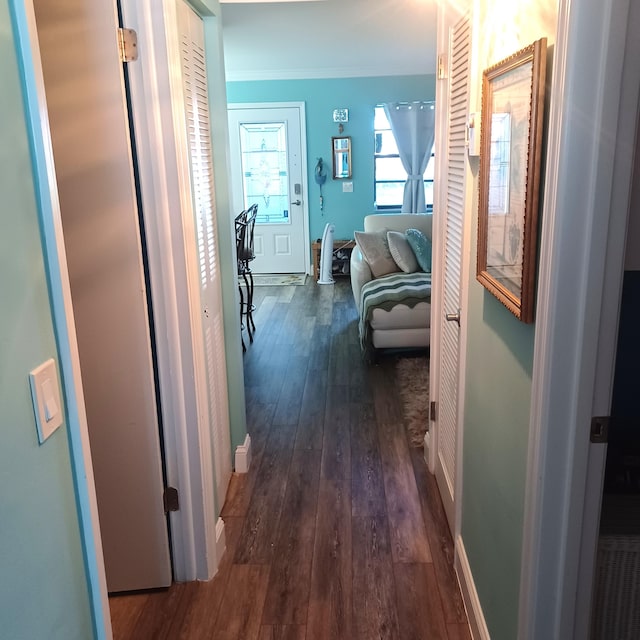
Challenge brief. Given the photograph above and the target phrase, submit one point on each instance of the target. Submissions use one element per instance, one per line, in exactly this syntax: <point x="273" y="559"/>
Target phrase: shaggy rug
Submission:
<point x="278" y="279"/>
<point x="413" y="386"/>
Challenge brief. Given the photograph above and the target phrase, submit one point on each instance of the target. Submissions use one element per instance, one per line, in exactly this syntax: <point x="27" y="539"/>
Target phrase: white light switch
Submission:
<point x="45" y="393"/>
<point x="347" y="187"/>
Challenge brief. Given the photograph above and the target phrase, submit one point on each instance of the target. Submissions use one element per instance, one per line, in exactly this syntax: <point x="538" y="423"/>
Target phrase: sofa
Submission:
<point x="397" y="314"/>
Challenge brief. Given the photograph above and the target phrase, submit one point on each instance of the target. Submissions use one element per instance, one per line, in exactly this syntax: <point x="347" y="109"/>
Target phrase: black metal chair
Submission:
<point x="244" y="226"/>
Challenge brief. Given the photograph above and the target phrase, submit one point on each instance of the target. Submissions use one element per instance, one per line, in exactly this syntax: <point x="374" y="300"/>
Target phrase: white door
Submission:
<point x="453" y="107"/>
<point x="268" y="167"/>
<point x="206" y="296"/>
<point x="92" y="153"/>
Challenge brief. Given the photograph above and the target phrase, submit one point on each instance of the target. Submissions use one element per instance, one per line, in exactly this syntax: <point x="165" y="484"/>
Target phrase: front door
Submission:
<point x="268" y="166"/>
<point x="91" y="142"/>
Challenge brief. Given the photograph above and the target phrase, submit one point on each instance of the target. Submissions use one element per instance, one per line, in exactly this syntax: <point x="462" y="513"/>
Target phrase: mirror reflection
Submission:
<point x="341" y="153"/>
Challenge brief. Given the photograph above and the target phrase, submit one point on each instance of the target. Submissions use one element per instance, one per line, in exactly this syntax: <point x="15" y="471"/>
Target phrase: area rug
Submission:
<point x="412" y="382"/>
<point x="278" y="279"/>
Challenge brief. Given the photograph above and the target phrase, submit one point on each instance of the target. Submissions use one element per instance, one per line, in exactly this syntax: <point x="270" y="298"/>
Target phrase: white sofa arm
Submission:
<point x="360" y="274"/>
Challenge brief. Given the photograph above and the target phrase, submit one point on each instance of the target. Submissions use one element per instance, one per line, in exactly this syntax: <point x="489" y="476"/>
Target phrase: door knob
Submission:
<point x="453" y="317"/>
<point x="298" y="202"/>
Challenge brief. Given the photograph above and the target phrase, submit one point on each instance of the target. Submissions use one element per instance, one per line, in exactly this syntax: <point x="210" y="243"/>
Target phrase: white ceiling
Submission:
<point x="328" y="39"/>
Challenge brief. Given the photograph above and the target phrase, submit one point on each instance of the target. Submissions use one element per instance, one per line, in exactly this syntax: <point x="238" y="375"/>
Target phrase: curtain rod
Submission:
<point x="422" y="103"/>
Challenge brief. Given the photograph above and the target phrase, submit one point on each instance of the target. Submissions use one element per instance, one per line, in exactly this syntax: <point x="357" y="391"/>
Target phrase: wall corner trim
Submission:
<point x="243" y="455"/>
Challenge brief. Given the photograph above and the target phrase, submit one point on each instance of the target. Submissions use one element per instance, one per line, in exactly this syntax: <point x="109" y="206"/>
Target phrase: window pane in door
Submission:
<point x="265" y="180"/>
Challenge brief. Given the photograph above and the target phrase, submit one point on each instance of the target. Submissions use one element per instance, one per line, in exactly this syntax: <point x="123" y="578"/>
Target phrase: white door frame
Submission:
<point x="581" y="257"/>
<point x="303" y="161"/>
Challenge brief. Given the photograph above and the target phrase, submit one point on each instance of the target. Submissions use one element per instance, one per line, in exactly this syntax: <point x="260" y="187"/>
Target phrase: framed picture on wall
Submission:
<point x="510" y="153"/>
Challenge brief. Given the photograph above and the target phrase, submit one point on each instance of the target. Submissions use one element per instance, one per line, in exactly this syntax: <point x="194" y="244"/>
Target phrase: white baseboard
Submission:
<point x="477" y="622"/>
<point x="243" y="456"/>
<point x="221" y="539"/>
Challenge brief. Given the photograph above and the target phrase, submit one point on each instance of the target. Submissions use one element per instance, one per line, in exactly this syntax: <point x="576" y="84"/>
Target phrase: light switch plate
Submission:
<point x="347" y="187"/>
<point x="473" y="135"/>
<point x="47" y="402"/>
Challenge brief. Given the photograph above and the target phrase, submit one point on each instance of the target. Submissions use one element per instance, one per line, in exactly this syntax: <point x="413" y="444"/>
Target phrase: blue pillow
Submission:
<point x="421" y="246"/>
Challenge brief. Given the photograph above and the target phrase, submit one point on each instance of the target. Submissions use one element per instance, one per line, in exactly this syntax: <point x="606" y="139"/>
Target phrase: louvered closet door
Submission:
<point x="458" y="99"/>
<point x="202" y="185"/>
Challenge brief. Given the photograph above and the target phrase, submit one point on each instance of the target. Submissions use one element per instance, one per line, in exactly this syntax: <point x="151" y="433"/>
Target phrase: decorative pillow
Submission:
<point x="421" y="246"/>
<point x="402" y="252"/>
<point x="375" y="249"/>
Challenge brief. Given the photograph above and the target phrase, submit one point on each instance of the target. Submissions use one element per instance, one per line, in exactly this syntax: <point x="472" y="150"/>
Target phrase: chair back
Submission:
<point x="245" y="225"/>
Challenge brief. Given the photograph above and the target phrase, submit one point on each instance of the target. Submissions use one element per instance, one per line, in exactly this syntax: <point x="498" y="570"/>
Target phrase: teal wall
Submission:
<point x="43" y="588"/>
<point x="499" y="365"/>
<point x="496" y="432"/>
<point x="321" y="97"/>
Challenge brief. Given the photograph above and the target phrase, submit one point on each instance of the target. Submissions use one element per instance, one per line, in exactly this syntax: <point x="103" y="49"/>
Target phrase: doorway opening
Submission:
<point x="615" y="611"/>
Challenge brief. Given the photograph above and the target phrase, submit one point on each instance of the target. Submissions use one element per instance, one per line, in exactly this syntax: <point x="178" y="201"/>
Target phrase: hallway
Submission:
<point x="337" y="532"/>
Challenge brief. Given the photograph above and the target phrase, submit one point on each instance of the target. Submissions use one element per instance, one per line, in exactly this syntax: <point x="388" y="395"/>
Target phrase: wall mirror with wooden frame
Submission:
<point x="341" y="153"/>
<point x="510" y="153"/>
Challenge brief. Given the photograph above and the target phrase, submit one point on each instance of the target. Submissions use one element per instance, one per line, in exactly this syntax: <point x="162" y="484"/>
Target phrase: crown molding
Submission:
<point x="247" y="75"/>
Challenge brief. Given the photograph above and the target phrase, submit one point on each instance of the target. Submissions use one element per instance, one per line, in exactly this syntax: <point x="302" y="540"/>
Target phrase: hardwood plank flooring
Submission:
<point x="337" y="531"/>
<point x="367" y="485"/>
<point x="202" y="615"/>
<point x="331" y="599"/>
<point x="241" y="608"/>
<point x="374" y="589"/>
<point x="258" y="536"/>
<point x="311" y="423"/>
<point x="286" y="632"/>
<point x="408" y="531"/>
<point x="419" y="609"/>
<point x="125" y="613"/>
<point x="439" y="541"/>
<point x="288" y="592"/>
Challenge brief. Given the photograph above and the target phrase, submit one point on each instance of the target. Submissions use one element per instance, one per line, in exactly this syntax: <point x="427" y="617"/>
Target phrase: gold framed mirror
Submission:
<point x="341" y="154"/>
<point x="510" y="152"/>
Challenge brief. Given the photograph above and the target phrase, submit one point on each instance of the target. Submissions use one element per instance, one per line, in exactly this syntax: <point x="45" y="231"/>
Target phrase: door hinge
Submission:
<point x="170" y="499"/>
<point x="127" y="45"/>
<point x="600" y="429"/>
<point x="432" y="410"/>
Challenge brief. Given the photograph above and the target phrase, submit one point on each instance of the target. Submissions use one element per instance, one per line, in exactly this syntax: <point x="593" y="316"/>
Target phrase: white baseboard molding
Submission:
<point x="425" y="446"/>
<point x="243" y="456"/>
<point x="477" y="622"/>
<point x="221" y="540"/>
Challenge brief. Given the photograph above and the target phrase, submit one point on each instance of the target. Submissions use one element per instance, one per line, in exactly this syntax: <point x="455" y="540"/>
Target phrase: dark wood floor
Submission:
<point x="337" y="532"/>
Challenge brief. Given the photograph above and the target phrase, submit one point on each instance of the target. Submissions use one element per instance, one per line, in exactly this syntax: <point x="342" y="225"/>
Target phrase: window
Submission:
<point x="388" y="173"/>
